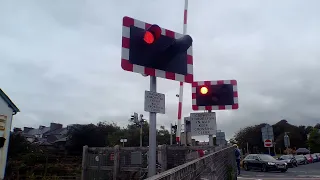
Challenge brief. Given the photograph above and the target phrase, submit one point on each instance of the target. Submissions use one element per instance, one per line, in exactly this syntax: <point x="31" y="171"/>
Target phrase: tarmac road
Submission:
<point x="309" y="171"/>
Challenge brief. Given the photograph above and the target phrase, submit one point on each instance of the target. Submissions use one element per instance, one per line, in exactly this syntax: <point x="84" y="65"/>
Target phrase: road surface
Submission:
<point x="309" y="171"/>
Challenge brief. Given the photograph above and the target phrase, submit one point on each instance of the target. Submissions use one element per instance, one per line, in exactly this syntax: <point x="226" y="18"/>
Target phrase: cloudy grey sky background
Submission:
<point x="60" y="60"/>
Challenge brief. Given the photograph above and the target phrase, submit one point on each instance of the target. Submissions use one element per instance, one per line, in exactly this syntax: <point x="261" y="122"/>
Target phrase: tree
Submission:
<point x="163" y="136"/>
<point x="252" y="135"/>
<point x="314" y="140"/>
<point x="90" y="135"/>
<point x="18" y="145"/>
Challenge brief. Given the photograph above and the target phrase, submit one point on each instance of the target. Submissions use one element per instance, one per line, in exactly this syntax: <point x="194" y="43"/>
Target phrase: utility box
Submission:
<point x="136" y="157"/>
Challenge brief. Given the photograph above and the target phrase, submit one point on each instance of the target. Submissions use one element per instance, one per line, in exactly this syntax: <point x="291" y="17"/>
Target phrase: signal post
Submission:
<point x="156" y="52"/>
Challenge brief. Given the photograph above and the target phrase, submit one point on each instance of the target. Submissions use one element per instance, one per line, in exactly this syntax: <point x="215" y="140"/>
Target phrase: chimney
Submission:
<point x="27" y="129"/>
<point x="55" y="126"/>
<point x="41" y="127"/>
<point x="15" y="130"/>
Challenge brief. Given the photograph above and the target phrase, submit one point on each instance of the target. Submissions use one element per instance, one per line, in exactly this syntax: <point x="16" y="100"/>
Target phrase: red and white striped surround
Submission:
<point x="185" y="20"/>
<point x="126" y="65"/>
<point x="208" y="83"/>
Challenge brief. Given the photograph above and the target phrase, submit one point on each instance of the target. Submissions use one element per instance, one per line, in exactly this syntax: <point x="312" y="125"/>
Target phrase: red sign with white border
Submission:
<point x="268" y="143"/>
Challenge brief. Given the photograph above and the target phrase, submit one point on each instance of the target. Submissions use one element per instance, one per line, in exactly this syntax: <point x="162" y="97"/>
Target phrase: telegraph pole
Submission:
<point x="170" y="133"/>
<point x="141" y="126"/>
<point x="210" y="135"/>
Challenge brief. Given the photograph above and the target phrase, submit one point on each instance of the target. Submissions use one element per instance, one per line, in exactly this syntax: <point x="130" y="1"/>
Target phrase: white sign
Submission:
<point x="154" y="102"/>
<point x="203" y="123"/>
<point x="123" y="140"/>
<point x="267" y="132"/>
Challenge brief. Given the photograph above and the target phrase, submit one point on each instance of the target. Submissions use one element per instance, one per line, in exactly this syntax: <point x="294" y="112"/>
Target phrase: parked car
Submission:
<point x="301" y="159"/>
<point x="318" y="154"/>
<point x="263" y="162"/>
<point x="289" y="159"/>
<point x="309" y="158"/>
<point x="315" y="158"/>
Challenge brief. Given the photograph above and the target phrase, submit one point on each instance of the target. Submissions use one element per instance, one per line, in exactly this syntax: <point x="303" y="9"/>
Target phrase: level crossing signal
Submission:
<point x="155" y="51"/>
<point x="214" y="95"/>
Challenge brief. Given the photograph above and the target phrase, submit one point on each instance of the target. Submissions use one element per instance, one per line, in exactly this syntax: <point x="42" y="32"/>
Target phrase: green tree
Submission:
<point x="18" y="145"/>
<point x="91" y="135"/>
<point x="163" y="136"/>
<point x="252" y="136"/>
<point x="314" y="140"/>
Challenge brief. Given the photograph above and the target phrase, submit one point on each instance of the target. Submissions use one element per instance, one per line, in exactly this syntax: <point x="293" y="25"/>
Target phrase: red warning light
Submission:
<point x="204" y="90"/>
<point x="148" y="37"/>
<point x="152" y="34"/>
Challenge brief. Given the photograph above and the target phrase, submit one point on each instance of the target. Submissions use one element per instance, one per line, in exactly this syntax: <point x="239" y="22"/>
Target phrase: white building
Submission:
<point x="7" y="110"/>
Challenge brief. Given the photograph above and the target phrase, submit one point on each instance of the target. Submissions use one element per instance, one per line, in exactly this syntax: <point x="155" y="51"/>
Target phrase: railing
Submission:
<point x="219" y="165"/>
<point x="131" y="162"/>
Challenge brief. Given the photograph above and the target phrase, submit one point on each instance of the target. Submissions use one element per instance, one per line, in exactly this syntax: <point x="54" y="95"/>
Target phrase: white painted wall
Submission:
<point x="5" y="110"/>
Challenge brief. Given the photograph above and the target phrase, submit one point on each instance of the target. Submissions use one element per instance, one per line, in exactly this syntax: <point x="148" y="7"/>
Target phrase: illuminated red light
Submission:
<point x="148" y="37"/>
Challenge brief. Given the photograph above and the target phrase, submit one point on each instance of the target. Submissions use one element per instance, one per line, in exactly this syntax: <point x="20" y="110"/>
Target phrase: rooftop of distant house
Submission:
<point x="45" y="135"/>
<point x="8" y="101"/>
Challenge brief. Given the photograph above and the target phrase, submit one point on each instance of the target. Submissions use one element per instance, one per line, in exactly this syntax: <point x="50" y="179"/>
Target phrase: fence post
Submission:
<point x="163" y="157"/>
<point x="84" y="162"/>
<point x="116" y="162"/>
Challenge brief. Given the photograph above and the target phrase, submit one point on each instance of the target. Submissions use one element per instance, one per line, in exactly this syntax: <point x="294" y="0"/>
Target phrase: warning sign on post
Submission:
<point x="203" y="123"/>
<point x="154" y="102"/>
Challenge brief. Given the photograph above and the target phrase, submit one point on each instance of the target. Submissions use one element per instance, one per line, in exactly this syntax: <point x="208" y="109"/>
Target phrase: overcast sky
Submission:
<point x="60" y="60"/>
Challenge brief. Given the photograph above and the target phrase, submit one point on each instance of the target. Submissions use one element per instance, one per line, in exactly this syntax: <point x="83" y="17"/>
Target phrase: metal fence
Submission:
<point x="219" y="165"/>
<point x="132" y="162"/>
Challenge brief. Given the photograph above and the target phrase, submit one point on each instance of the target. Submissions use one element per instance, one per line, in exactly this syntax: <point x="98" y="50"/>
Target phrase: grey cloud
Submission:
<point x="61" y="61"/>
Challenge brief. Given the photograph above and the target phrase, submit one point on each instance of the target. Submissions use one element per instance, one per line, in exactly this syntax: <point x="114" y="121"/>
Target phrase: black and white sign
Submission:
<point x="203" y="123"/>
<point x="154" y="102"/>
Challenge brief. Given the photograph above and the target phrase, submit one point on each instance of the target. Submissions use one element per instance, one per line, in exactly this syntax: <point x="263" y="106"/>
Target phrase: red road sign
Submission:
<point x="268" y="143"/>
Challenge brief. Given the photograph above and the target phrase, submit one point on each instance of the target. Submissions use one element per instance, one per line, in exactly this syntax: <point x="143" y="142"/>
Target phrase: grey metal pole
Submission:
<point x="170" y="133"/>
<point x="210" y="136"/>
<point x="152" y="133"/>
<point x="141" y="134"/>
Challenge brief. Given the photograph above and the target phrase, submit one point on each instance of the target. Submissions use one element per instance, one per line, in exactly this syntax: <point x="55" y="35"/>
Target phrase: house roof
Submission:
<point x="61" y="131"/>
<point x="8" y="101"/>
<point x="33" y="132"/>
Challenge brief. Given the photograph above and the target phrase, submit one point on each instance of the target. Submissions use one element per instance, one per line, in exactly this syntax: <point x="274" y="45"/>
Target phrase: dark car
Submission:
<point x="289" y="159"/>
<point x="315" y="158"/>
<point x="301" y="159"/>
<point x="263" y="162"/>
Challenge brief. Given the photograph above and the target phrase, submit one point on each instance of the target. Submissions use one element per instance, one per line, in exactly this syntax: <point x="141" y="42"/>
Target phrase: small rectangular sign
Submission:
<point x="203" y="123"/>
<point x="154" y="102"/>
<point x="3" y="120"/>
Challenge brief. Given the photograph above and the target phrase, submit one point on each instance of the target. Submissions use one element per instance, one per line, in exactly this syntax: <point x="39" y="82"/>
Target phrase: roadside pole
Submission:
<point x="210" y="135"/>
<point x="152" y="133"/>
<point x="170" y="133"/>
<point x="141" y="125"/>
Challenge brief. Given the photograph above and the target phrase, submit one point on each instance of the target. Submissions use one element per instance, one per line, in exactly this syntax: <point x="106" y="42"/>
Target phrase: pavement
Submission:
<point x="309" y="171"/>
